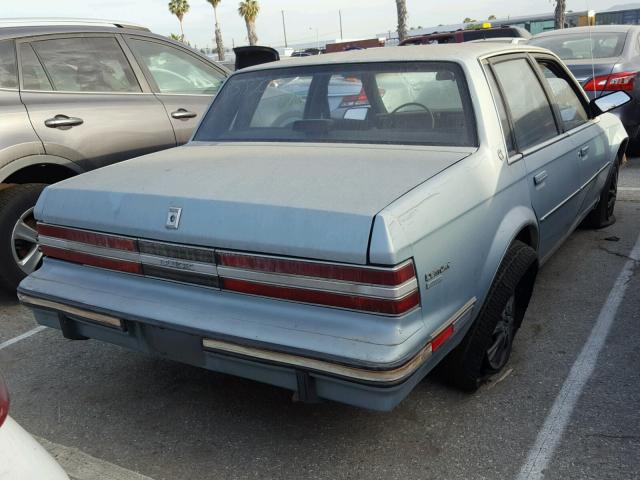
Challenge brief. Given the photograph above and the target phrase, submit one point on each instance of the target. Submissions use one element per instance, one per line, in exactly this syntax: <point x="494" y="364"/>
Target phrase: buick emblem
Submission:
<point x="173" y="218"/>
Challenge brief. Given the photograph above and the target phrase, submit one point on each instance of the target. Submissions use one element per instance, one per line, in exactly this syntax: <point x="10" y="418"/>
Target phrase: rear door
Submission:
<point x="86" y="102"/>
<point x="553" y="169"/>
<point x="182" y="81"/>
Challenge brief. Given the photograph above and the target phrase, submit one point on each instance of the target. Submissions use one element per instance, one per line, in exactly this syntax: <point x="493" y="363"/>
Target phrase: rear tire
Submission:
<point x="602" y="215"/>
<point x="19" y="252"/>
<point x="486" y="347"/>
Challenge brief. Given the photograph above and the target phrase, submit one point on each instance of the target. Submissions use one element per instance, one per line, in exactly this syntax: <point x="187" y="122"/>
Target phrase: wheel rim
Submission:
<point x="612" y="193"/>
<point x="24" y="242"/>
<point x="502" y="337"/>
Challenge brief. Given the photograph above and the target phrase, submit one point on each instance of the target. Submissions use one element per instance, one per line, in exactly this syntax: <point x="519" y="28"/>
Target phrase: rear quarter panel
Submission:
<point x="462" y="221"/>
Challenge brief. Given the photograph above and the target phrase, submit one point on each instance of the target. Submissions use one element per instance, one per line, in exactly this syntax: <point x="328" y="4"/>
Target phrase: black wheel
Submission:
<point x="19" y="252"/>
<point x="486" y="347"/>
<point x="602" y="215"/>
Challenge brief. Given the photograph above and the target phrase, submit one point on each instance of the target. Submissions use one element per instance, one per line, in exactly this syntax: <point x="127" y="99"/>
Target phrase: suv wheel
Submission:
<point x="19" y="252"/>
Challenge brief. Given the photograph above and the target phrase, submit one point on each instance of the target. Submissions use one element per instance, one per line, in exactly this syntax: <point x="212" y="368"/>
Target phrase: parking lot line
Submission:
<point x="549" y="437"/>
<point x="81" y="466"/>
<point x="13" y="340"/>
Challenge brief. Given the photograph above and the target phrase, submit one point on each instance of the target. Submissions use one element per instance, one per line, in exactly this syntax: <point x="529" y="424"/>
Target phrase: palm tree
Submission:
<point x="402" y="19"/>
<point x="219" y="43"/>
<point x="249" y="9"/>
<point x="179" y="8"/>
<point x="561" y="6"/>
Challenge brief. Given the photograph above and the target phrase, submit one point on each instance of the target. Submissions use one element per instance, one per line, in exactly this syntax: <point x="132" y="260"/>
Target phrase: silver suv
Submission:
<point x="79" y="95"/>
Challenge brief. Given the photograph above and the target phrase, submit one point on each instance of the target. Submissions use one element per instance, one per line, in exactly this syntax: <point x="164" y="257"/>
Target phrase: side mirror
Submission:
<point x="608" y="102"/>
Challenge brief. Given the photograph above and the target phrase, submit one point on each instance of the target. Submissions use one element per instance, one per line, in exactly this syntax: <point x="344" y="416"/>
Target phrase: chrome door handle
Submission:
<point x="584" y="151"/>
<point x="182" y="114"/>
<point x="540" y="177"/>
<point x="63" y="121"/>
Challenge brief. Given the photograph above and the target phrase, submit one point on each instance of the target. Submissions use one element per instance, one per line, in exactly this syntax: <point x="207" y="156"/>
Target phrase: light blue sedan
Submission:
<point x="339" y="256"/>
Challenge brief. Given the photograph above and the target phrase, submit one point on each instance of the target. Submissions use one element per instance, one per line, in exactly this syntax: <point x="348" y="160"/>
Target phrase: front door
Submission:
<point x="86" y="103"/>
<point x="183" y="82"/>
<point x="589" y="139"/>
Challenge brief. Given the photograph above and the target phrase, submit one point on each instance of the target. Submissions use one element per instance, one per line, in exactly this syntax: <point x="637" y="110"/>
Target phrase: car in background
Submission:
<point x="21" y="456"/>
<point x="459" y="36"/>
<point x="341" y="258"/>
<point x="76" y="95"/>
<point x="604" y="59"/>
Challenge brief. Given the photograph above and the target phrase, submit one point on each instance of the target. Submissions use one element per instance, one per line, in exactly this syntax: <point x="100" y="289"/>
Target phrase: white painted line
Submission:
<point x="81" y="466"/>
<point x="13" y="340"/>
<point x="548" y="438"/>
<point x="629" y="189"/>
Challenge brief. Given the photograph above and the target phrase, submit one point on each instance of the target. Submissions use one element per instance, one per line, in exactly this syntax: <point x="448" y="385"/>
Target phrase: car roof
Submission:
<point x="35" y="30"/>
<point x="461" y="52"/>
<point x="593" y="29"/>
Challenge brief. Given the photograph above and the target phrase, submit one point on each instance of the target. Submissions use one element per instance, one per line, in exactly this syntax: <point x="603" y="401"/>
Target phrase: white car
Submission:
<point x="21" y="456"/>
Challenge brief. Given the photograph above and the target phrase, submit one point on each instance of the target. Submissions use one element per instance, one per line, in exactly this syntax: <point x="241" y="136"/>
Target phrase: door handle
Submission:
<point x="540" y="177"/>
<point x="62" y="121"/>
<point x="182" y="114"/>
<point x="583" y="152"/>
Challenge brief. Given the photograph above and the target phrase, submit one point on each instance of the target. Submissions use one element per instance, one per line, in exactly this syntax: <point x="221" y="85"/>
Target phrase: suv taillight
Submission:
<point x="615" y="81"/>
<point x="4" y="401"/>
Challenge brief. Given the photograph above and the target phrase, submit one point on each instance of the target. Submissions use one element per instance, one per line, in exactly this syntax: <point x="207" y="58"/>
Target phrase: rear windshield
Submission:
<point x="420" y="103"/>
<point x="577" y="46"/>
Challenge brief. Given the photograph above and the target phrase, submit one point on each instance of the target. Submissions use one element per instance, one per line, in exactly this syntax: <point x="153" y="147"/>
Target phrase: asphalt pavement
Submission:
<point x="106" y="412"/>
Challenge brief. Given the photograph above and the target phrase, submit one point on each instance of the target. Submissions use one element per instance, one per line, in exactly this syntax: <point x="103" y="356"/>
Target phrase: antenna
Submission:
<point x="593" y="67"/>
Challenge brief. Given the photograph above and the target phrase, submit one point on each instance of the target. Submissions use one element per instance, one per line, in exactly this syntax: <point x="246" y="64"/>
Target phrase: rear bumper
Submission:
<point x="131" y="322"/>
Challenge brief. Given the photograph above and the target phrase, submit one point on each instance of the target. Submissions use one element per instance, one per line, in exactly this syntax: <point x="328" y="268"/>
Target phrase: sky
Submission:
<point x="305" y="20"/>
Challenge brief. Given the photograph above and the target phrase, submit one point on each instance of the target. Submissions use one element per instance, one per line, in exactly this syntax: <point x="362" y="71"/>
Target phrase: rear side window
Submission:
<point x="33" y="74"/>
<point x="175" y="71"/>
<point x="504" y="119"/>
<point x="8" y="65"/>
<point x="92" y="64"/>
<point x="531" y="113"/>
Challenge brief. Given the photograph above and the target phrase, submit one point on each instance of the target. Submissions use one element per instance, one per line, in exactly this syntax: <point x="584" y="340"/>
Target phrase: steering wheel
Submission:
<point x="415" y="104"/>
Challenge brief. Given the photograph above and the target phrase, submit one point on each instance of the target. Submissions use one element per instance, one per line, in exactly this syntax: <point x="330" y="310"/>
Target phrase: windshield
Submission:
<point x="576" y="46"/>
<point x="423" y="103"/>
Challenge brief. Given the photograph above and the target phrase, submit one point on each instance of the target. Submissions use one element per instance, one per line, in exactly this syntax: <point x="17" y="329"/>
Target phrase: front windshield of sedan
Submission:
<point x="580" y="46"/>
<point x="416" y="103"/>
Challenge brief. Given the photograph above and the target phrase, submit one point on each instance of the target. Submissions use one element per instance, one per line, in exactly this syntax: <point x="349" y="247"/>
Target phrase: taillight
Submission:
<point x="4" y="401"/>
<point x="615" y="81"/>
<point x="384" y="290"/>
<point x="359" y="100"/>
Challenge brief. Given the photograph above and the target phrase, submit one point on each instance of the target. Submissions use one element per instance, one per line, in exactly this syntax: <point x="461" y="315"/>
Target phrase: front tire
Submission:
<point x="19" y="252"/>
<point x="486" y="347"/>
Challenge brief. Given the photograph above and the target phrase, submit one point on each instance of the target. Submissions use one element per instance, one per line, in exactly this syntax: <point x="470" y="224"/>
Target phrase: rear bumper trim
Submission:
<point x="83" y="314"/>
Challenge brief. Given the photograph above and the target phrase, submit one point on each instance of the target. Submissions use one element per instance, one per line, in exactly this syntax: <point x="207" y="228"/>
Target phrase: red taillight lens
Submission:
<point x="4" y="401"/>
<point x="320" y="297"/>
<point x="90" y="238"/>
<point x="92" y="260"/>
<point x="345" y="273"/>
<point x="615" y="81"/>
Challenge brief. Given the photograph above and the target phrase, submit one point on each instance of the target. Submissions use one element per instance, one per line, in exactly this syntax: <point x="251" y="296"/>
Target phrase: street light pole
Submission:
<point x="340" y="15"/>
<point x="284" y="28"/>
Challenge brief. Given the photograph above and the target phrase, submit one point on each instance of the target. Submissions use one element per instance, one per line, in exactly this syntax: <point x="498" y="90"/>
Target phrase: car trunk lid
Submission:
<point x="311" y="201"/>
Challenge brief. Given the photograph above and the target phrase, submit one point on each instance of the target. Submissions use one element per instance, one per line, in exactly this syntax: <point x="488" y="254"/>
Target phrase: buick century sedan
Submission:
<point x="339" y="255"/>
